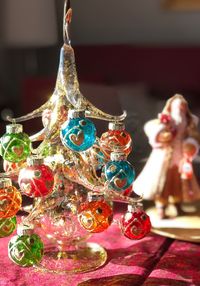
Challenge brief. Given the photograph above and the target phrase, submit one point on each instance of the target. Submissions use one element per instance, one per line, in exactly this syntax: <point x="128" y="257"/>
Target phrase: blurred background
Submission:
<point x="130" y="55"/>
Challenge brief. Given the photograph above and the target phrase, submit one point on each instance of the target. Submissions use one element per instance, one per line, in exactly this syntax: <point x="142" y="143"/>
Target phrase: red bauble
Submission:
<point x="36" y="180"/>
<point x="116" y="139"/>
<point x="135" y="224"/>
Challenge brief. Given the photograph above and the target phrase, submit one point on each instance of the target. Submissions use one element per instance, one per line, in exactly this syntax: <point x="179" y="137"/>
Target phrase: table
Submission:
<point x="154" y="260"/>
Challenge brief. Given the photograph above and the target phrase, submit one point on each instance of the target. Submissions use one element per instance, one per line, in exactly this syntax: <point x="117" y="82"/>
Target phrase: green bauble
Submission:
<point x="25" y="250"/>
<point x="7" y="226"/>
<point x="15" y="145"/>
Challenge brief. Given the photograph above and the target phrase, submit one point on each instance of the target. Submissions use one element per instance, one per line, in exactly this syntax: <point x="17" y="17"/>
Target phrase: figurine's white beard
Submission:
<point x="178" y="117"/>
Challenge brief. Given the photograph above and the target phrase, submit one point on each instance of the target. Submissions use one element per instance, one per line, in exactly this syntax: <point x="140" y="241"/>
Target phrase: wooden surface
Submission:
<point x="185" y="227"/>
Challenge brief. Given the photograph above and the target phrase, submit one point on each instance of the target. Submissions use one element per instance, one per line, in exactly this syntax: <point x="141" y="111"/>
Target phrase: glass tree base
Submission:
<point x="83" y="258"/>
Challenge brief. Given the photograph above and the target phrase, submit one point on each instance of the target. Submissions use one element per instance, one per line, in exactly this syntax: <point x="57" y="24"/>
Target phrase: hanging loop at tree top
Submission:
<point x="67" y="18"/>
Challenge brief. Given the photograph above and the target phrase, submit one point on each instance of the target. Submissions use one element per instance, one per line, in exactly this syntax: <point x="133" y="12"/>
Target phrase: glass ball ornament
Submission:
<point x="15" y="144"/>
<point x="95" y="215"/>
<point x="26" y="250"/>
<point x="78" y="133"/>
<point x="119" y="173"/>
<point x="7" y="226"/>
<point x="10" y="199"/>
<point x="135" y="223"/>
<point x="116" y="139"/>
<point x="37" y="179"/>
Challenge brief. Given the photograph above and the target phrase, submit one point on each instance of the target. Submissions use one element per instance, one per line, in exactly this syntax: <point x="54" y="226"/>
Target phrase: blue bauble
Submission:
<point x="78" y="134"/>
<point x="119" y="174"/>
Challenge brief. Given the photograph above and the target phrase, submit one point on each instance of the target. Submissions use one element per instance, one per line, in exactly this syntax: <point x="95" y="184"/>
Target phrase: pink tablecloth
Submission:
<point x="153" y="260"/>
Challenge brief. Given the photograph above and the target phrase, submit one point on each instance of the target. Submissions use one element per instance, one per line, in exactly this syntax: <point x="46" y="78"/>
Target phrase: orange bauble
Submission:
<point x="95" y="215"/>
<point x="116" y="139"/>
<point x="10" y="199"/>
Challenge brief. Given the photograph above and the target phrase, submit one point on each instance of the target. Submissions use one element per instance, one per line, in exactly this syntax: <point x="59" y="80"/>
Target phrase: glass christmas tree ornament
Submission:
<point x="37" y="179"/>
<point x="116" y="139"/>
<point x="95" y="215"/>
<point x="26" y="248"/>
<point x="7" y="226"/>
<point x="78" y="133"/>
<point x="119" y="173"/>
<point x="10" y="199"/>
<point x="15" y="144"/>
<point x="135" y="223"/>
<point x="64" y="213"/>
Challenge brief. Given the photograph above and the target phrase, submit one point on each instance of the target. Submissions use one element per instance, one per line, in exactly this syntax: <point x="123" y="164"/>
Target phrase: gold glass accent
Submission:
<point x="82" y="258"/>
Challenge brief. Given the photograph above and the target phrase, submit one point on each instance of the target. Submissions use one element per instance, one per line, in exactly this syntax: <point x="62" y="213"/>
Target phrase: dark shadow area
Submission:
<point x="117" y="280"/>
<point x="165" y="282"/>
<point x="133" y="280"/>
<point x="138" y="255"/>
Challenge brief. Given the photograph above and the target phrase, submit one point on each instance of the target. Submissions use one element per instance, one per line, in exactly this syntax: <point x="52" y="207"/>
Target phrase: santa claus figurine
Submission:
<point x="168" y="174"/>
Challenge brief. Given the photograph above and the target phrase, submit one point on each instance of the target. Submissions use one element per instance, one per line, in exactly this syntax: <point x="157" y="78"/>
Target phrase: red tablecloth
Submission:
<point x="154" y="260"/>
